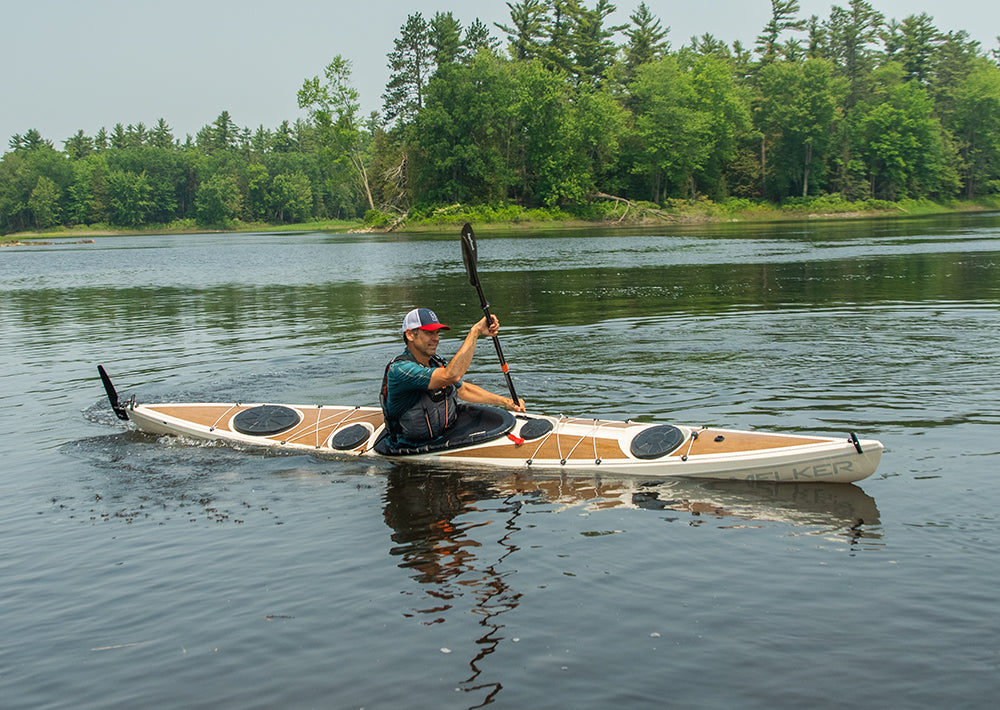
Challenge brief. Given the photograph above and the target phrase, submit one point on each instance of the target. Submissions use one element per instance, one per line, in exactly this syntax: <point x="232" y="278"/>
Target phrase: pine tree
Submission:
<point x="527" y="31"/>
<point x="647" y="39"/>
<point x="410" y="66"/>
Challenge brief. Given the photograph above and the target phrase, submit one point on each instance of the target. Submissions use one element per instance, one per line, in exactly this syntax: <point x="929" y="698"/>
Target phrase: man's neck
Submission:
<point x="425" y="361"/>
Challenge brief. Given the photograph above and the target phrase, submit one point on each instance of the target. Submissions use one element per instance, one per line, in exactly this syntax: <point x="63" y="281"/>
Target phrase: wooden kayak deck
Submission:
<point x="608" y="440"/>
<point x="571" y="439"/>
<point x="315" y="427"/>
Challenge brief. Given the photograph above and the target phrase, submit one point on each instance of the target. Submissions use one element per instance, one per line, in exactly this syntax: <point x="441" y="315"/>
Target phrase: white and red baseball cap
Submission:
<point x="422" y="319"/>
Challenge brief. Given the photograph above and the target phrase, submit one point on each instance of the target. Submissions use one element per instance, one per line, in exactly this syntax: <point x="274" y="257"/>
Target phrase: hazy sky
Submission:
<point x="83" y="64"/>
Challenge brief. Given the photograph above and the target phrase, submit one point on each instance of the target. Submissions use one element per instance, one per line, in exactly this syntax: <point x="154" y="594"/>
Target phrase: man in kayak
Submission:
<point x="420" y="391"/>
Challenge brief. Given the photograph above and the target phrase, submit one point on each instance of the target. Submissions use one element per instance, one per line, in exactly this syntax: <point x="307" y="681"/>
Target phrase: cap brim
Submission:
<point x="434" y="326"/>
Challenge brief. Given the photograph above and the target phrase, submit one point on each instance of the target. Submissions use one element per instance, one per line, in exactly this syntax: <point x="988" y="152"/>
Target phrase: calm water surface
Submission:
<point x="145" y="572"/>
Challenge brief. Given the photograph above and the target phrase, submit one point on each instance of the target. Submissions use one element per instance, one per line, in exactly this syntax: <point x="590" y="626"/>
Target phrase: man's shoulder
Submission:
<point x="405" y="370"/>
<point x="406" y="366"/>
<point x="404" y="361"/>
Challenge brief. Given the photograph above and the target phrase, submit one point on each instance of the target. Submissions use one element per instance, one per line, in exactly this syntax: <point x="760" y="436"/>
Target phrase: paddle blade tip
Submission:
<point x="469" y="253"/>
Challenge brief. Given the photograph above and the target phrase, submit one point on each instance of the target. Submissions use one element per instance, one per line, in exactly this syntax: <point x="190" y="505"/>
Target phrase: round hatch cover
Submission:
<point x="534" y="428"/>
<point x="265" y="420"/>
<point x="656" y="441"/>
<point x="350" y="437"/>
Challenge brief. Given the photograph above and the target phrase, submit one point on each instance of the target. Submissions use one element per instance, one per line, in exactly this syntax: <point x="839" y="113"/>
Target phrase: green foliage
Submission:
<point x="848" y="110"/>
<point x="444" y="34"/>
<point x="217" y="202"/>
<point x="688" y="115"/>
<point x="344" y="146"/>
<point x="906" y="152"/>
<point x="784" y="17"/>
<point x="797" y="111"/>
<point x="461" y="146"/>
<point x="647" y="40"/>
<point x="543" y="109"/>
<point x="526" y="32"/>
<point x="291" y="197"/>
<point x="409" y="65"/>
<point x="499" y="213"/>
<point x="376" y="219"/>
<point x="44" y="203"/>
<point x="977" y="128"/>
<point x="129" y="201"/>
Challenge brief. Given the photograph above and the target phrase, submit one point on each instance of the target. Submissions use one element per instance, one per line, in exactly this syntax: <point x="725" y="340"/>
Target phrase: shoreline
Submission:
<point x="85" y="234"/>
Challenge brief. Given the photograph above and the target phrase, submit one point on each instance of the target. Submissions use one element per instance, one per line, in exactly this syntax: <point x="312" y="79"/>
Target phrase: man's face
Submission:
<point x="424" y="342"/>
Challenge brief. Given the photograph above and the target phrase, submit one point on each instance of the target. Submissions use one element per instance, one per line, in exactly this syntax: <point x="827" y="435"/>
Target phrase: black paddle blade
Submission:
<point x="470" y="254"/>
<point x="116" y="404"/>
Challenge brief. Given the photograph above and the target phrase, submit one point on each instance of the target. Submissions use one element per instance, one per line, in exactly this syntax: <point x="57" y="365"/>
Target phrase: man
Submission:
<point x="420" y="391"/>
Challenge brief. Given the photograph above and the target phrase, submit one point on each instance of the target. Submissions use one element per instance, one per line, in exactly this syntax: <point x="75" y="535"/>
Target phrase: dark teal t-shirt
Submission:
<point x="406" y="381"/>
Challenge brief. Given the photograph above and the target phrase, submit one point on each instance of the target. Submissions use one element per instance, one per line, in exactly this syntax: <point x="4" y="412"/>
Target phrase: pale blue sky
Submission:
<point x="83" y="64"/>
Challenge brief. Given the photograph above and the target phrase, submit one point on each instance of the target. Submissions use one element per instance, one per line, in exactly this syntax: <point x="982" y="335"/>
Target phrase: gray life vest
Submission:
<point x="430" y="417"/>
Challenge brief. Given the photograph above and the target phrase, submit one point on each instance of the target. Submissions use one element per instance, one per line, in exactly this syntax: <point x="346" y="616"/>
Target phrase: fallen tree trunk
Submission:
<point x="666" y="216"/>
<point x="399" y="221"/>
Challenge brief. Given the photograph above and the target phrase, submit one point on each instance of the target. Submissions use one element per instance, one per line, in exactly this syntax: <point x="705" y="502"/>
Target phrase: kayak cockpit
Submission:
<point x="474" y="425"/>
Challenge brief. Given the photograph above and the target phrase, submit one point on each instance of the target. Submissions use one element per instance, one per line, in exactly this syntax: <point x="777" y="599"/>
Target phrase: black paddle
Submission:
<point x="470" y="254"/>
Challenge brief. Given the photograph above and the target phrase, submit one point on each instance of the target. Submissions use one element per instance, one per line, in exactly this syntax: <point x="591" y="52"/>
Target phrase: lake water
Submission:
<point x="146" y="572"/>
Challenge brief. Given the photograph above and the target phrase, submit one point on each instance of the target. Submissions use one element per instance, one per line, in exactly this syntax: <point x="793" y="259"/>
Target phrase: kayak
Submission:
<point x="487" y="437"/>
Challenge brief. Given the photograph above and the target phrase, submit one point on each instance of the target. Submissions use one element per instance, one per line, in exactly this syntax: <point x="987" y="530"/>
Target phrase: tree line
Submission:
<point x="553" y="109"/>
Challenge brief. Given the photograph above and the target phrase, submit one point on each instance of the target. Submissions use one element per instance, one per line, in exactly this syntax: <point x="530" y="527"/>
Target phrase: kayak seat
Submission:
<point x="474" y="425"/>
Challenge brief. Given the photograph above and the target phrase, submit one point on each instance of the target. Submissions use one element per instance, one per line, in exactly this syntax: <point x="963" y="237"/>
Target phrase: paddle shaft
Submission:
<point x="496" y="344"/>
<point x="470" y="255"/>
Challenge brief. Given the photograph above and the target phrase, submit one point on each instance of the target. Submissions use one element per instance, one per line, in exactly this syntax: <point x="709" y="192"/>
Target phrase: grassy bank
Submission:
<point x="604" y="212"/>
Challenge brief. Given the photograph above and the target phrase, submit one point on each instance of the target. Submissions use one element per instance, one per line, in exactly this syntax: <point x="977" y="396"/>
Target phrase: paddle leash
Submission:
<point x="470" y="255"/>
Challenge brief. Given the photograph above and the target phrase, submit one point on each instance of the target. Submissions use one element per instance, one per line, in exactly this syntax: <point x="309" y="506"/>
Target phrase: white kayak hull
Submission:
<point x="567" y="444"/>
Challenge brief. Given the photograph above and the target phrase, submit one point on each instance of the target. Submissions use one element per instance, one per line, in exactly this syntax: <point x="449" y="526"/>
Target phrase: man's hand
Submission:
<point x="509" y="404"/>
<point x="491" y="329"/>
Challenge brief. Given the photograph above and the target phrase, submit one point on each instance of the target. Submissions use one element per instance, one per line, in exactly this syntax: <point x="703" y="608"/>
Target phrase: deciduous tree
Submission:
<point x="464" y="145"/>
<point x="977" y="124"/>
<point x="797" y="112"/>
<point x="128" y="198"/>
<point x="44" y="203"/>
<point x="687" y="117"/>
<point x="333" y="107"/>
<point x="291" y="197"/>
<point x="217" y="201"/>
<point x="906" y="152"/>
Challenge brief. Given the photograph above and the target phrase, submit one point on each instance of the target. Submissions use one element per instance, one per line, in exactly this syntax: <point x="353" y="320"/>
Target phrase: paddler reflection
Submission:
<point x="434" y="516"/>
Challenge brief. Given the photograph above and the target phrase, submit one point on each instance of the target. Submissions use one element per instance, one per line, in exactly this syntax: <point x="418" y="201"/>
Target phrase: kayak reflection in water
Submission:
<point x="420" y="391"/>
